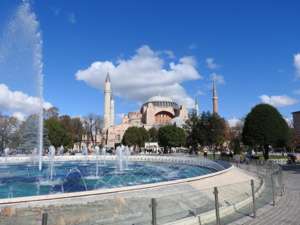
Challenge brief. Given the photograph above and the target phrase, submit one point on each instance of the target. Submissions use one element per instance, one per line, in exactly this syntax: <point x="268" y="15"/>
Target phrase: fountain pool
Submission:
<point x="25" y="179"/>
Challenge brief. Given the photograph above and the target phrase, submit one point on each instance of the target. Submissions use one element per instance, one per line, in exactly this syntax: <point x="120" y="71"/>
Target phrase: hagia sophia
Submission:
<point x="155" y="112"/>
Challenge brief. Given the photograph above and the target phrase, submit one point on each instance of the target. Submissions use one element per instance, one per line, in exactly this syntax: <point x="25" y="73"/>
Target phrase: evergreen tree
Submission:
<point x="265" y="126"/>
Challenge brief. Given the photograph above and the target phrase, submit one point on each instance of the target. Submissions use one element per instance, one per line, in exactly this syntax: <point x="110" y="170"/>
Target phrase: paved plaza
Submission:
<point x="287" y="209"/>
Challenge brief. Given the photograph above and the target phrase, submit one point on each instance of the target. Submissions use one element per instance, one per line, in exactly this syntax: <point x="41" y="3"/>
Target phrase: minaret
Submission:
<point x="215" y="97"/>
<point x="112" y="111"/>
<point x="107" y="102"/>
<point x="196" y="106"/>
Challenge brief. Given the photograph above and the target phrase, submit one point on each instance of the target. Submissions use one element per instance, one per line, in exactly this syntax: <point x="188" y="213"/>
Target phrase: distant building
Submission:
<point x="296" y="123"/>
<point x="157" y="111"/>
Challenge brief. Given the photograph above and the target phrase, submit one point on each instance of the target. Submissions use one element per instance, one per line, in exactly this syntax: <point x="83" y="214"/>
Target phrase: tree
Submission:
<point x="52" y="112"/>
<point x="73" y="127"/>
<point x="265" y="126"/>
<point x="135" y="136"/>
<point x="217" y="130"/>
<point x="171" y="136"/>
<point x="207" y="130"/>
<point x="77" y="129"/>
<point x="29" y="133"/>
<point x="153" y="134"/>
<point x="92" y="126"/>
<point x="8" y="132"/>
<point x="57" y="134"/>
<point x="192" y="128"/>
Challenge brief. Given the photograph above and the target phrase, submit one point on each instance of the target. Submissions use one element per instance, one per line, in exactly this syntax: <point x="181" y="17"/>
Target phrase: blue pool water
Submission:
<point x="17" y="180"/>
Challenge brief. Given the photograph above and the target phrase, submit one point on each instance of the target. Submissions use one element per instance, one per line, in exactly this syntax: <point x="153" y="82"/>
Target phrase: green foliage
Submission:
<point x="153" y="134"/>
<point x="206" y="130"/>
<point x="264" y="125"/>
<point x="73" y="127"/>
<point x="57" y="134"/>
<point x="217" y="128"/>
<point x="135" y="136"/>
<point x="171" y="136"/>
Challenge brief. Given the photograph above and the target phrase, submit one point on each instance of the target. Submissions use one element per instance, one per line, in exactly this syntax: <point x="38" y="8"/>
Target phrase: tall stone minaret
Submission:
<point x="196" y="106"/>
<point x="107" y="102"/>
<point x="215" y="97"/>
<point x="112" y="111"/>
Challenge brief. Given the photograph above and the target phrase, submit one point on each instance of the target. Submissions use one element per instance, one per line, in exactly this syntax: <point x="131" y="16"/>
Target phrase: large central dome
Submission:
<point x="162" y="101"/>
<point x="159" y="98"/>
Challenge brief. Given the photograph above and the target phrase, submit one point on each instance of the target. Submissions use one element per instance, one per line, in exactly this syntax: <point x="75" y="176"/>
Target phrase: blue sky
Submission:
<point x="252" y="43"/>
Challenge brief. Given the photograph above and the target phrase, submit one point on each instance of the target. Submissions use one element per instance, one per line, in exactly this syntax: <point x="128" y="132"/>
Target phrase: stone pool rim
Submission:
<point x="107" y="191"/>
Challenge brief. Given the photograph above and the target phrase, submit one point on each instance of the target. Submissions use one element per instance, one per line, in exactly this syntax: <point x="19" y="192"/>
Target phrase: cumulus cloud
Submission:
<point x="219" y="79"/>
<point x="143" y="75"/>
<point x="211" y="64"/>
<point x="297" y="64"/>
<point x="278" y="101"/>
<point x="20" y="116"/>
<point x="19" y="103"/>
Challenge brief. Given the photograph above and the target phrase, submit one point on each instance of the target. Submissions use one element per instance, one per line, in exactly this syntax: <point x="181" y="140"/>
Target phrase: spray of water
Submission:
<point x="23" y="39"/>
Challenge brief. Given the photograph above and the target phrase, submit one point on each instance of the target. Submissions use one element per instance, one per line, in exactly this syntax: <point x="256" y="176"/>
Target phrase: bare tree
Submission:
<point x="8" y="131"/>
<point x="92" y="125"/>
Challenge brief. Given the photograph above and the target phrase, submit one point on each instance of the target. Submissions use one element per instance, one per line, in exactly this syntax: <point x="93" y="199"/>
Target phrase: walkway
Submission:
<point x="287" y="209"/>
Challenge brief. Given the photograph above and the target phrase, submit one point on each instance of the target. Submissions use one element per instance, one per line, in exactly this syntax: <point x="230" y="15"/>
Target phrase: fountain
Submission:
<point x="6" y="153"/>
<point x="84" y="150"/>
<point x="51" y="156"/>
<point x="74" y="181"/>
<point x="126" y="158"/>
<point x="103" y="154"/>
<point x="119" y="159"/>
<point x="34" y="156"/>
<point x="21" y="66"/>
<point x="97" y="152"/>
<point x="61" y="150"/>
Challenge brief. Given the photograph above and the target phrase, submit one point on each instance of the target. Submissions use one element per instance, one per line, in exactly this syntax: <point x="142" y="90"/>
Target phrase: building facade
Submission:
<point x="157" y="111"/>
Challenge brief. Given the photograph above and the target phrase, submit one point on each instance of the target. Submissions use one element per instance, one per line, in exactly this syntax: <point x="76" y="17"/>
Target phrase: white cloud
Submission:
<point x="211" y="64"/>
<point x="234" y="121"/>
<point x="169" y="53"/>
<point x="297" y="64"/>
<point x="19" y="103"/>
<point x="278" y="101"/>
<point x="72" y="18"/>
<point x="218" y="78"/>
<point x="20" y="116"/>
<point x="144" y="75"/>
